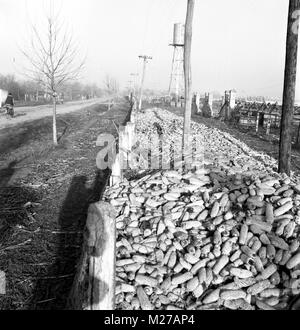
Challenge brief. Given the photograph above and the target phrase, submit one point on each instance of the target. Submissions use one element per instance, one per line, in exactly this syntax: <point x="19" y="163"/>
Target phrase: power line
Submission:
<point x="147" y="24"/>
<point x="145" y="58"/>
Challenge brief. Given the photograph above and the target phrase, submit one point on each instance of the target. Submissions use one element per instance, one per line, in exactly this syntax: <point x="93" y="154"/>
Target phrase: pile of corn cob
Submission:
<point x="218" y="147"/>
<point x="219" y="237"/>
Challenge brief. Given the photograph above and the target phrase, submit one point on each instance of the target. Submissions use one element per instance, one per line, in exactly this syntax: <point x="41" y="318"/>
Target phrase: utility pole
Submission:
<point x="134" y="77"/>
<point x="145" y="58"/>
<point x="130" y="82"/>
<point x="188" y="75"/>
<point x="298" y="137"/>
<point x="288" y="101"/>
<point x="130" y="89"/>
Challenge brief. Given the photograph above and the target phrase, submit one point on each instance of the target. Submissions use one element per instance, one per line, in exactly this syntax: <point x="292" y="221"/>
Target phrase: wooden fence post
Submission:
<point x="94" y="284"/>
<point x="268" y="126"/>
<point x="257" y="122"/>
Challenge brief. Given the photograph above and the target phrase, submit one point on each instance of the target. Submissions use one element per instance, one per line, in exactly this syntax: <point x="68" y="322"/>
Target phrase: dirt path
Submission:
<point x="24" y="114"/>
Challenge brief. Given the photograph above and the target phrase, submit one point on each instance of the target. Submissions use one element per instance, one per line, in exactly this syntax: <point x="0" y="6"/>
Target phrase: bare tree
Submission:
<point x="111" y="85"/>
<point x="53" y="59"/>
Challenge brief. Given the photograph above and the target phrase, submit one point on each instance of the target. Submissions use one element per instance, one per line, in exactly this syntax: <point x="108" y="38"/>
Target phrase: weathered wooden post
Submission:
<point x="130" y="127"/>
<point x="210" y="101"/>
<point x="123" y="149"/>
<point x="94" y="283"/>
<point x="109" y="105"/>
<point x="232" y="99"/>
<point x="268" y="126"/>
<point x="257" y="122"/>
<point x="2" y="283"/>
<point x="289" y="88"/>
<point x="133" y="105"/>
<point x="145" y="59"/>
<point x="298" y="137"/>
<point x="197" y="102"/>
<point x="116" y="171"/>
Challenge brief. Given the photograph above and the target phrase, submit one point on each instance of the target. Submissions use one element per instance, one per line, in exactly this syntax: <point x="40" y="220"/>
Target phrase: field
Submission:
<point x="45" y="193"/>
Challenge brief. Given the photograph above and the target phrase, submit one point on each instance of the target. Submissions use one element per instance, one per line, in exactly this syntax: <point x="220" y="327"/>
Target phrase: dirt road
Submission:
<point x="24" y="114"/>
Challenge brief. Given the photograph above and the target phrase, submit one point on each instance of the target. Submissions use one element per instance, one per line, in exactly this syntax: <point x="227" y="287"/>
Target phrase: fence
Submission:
<point x="94" y="283"/>
<point x="126" y="142"/>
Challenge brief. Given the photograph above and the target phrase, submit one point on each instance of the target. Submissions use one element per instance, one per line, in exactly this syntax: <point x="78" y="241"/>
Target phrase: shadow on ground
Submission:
<point x="7" y="173"/>
<point x="52" y="292"/>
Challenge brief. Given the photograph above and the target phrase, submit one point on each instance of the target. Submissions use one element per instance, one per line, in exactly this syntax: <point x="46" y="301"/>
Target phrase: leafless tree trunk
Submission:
<point x="111" y="84"/>
<point x="54" y="122"/>
<point x="53" y="59"/>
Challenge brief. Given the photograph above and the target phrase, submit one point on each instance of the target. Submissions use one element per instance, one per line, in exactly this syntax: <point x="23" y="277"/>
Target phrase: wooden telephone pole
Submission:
<point x="134" y="78"/>
<point x="289" y="88"/>
<point x="188" y="74"/>
<point x="145" y="58"/>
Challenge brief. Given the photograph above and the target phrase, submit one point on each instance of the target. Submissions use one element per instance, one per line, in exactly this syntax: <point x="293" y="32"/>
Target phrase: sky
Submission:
<point x="236" y="43"/>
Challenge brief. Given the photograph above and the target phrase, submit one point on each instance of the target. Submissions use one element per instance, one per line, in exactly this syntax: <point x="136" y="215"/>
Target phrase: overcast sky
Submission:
<point x="236" y="43"/>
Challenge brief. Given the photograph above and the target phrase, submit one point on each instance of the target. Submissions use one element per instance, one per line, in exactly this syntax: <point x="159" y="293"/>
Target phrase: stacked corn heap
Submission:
<point x="206" y="240"/>
<point x="219" y="147"/>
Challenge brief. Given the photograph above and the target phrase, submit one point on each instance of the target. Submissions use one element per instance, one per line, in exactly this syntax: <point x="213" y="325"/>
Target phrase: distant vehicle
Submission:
<point x="59" y="100"/>
<point x="3" y="96"/>
<point x="10" y="110"/>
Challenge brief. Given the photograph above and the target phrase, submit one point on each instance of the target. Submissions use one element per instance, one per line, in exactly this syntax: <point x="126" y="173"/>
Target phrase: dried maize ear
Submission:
<point x="143" y="299"/>
<point x="182" y="278"/>
<point x="220" y="264"/>
<point x="200" y="264"/>
<point x="212" y="297"/>
<point x="271" y="251"/>
<point x="268" y="272"/>
<point x="146" y="280"/>
<point x="294" y="261"/>
<point x="244" y="282"/>
<point x="198" y="291"/>
<point x="192" y="284"/>
<point x="233" y="294"/>
<point x="294" y="246"/>
<point x="278" y="242"/>
<point x="243" y="234"/>
<point x="258" y="287"/>
<point x="263" y="306"/>
<point x="283" y="209"/>
<point x="269" y="213"/>
<point x="240" y="273"/>
<point x="285" y="258"/>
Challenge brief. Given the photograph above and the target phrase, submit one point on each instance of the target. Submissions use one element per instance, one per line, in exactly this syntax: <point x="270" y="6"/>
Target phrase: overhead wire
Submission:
<point x="146" y="28"/>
